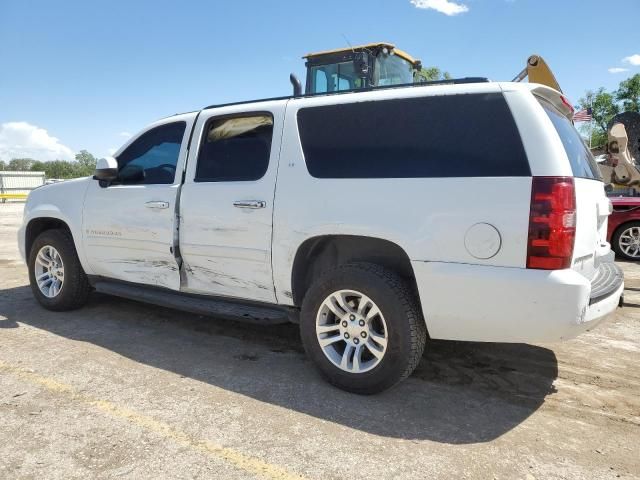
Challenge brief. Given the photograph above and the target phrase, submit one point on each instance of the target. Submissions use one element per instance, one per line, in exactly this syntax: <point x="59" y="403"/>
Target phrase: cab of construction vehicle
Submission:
<point x="364" y="66"/>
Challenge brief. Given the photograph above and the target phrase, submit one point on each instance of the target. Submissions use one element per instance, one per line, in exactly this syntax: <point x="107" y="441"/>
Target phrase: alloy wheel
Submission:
<point x="49" y="271"/>
<point x="629" y="242"/>
<point x="351" y="331"/>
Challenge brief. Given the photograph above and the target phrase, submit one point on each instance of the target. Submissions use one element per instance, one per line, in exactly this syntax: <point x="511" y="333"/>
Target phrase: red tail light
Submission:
<point x="552" y="223"/>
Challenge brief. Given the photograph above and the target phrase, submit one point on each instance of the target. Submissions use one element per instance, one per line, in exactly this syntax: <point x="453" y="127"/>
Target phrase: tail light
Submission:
<point x="552" y="223"/>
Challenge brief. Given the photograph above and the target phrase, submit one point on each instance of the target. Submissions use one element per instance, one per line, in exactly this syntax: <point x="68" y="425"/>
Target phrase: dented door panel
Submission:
<point x="128" y="230"/>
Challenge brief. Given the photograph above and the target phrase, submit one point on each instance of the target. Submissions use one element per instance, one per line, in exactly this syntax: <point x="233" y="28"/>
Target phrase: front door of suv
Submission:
<point x="128" y="227"/>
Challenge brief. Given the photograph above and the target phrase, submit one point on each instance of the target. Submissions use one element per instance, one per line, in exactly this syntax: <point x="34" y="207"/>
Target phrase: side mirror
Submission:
<point x="106" y="170"/>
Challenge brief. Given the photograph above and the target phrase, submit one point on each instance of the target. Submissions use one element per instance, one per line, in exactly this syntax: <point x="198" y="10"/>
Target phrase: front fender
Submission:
<point x="61" y="201"/>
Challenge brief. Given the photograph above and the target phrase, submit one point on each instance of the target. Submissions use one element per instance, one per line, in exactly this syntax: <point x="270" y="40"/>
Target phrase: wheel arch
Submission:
<point x="38" y="225"/>
<point x="318" y="254"/>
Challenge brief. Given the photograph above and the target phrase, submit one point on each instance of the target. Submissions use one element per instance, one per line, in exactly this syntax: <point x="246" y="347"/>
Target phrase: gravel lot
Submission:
<point x="121" y="389"/>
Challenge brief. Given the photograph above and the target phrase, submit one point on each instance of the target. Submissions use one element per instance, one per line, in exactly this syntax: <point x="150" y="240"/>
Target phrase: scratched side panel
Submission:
<point x="123" y="237"/>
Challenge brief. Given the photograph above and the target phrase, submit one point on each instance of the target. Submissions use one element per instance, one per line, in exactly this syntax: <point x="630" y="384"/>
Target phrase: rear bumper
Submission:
<point x="496" y="304"/>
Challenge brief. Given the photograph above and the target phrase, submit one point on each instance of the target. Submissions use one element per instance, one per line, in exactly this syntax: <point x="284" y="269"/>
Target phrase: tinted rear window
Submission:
<point x="471" y="135"/>
<point x="235" y="149"/>
<point x="583" y="164"/>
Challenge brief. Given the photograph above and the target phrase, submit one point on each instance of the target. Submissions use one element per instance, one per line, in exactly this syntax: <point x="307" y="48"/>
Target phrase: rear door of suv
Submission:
<point x="226" y="203"/>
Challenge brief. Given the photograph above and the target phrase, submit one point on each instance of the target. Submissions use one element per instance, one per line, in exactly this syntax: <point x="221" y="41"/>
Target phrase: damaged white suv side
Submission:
<point x="467" y="211"/>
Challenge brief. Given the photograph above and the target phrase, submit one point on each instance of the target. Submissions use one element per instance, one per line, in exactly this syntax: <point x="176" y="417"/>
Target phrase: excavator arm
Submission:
<point x="538" y="72"/>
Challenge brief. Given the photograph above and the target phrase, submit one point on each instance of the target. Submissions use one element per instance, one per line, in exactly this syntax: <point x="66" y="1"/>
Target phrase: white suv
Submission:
<point x="465" y="211"/>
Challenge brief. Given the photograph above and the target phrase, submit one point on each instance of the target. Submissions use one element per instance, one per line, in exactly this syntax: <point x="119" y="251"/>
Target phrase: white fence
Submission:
<point x="17" y="185"/>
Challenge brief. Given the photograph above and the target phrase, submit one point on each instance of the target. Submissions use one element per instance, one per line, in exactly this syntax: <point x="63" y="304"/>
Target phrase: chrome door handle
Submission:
<point x="157" y="204"/>
<point x="250" y="204"/>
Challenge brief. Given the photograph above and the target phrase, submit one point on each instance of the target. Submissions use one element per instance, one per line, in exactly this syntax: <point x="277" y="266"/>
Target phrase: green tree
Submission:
<point x="86" y="163"/>
<point x="60" y="169"/>
<point x="3" y="165"/>
<point x="38" y="166"/>
<point x="629" y="94"/>
<point x="82" y="166"/>
<point x="603" y="109"/>
<point x="431" y="74"/>
<point x="22" y="164"/>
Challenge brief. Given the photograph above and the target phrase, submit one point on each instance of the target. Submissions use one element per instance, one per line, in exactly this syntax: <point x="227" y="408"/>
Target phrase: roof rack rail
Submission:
<point x="451" y="81"/>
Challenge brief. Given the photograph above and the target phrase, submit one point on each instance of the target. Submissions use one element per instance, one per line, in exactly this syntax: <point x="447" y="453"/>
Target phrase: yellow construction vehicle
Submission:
<point x="382" y="64"/>
<point x="619" y="169"/>
<point x="363" y="66"/>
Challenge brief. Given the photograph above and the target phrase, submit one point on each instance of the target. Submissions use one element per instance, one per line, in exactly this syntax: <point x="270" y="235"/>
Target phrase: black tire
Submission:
<point x="76" y="288"/>
<point x="615" y="240"/>
<point x="406" y="329"/>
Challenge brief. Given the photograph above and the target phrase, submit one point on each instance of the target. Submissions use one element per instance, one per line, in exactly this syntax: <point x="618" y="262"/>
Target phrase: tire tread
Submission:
<point x="76" y="282"/>
<point x="407" y="299"/>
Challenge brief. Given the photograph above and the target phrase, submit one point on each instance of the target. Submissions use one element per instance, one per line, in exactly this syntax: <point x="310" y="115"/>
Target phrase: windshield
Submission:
<point x="392" y="70"/>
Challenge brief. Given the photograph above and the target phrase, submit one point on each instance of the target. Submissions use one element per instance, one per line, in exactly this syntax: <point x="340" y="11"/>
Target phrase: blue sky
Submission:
<point x="90" y="72"/>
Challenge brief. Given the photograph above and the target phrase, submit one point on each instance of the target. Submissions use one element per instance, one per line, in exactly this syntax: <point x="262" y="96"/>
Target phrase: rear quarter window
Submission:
<point x="470" y="135"/>
<point x="583" y="165"/>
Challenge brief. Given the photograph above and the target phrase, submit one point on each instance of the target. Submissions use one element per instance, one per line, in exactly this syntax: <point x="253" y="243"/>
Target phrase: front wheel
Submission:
<point x="362" y="328"/>
<point x="626" y="241"/>
<point x="57" y="279"/>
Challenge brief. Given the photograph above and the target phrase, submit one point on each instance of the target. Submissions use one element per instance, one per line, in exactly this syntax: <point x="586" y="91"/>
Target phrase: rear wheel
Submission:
<point x="626" y="241"/>
<point x="361" y="326"/>
<point x="57" y="279"/>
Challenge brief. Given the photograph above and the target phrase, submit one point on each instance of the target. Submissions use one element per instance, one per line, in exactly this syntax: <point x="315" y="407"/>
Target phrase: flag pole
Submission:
<point x="591" y="123"/>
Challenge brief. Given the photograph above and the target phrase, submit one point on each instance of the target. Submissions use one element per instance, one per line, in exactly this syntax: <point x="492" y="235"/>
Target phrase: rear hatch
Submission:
<point x="592" y="205"/>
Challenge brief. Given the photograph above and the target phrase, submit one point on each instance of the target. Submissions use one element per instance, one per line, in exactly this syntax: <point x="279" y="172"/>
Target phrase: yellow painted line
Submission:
<point x="239" y="460"/>
<point x="13" y="195"/>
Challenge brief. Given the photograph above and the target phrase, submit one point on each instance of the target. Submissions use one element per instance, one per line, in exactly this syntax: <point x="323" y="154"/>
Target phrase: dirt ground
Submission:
<point x="121" y="389"/>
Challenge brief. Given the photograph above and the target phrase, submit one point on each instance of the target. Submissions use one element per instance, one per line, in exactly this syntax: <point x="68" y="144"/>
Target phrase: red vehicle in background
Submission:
<point x="624" y="227"/>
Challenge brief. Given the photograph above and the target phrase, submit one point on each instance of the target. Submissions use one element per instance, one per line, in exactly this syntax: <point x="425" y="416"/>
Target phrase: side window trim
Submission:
<point x="203" y="138"/>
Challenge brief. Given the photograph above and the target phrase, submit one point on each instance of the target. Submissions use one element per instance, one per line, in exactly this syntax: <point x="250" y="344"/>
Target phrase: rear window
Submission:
<point x="583" y="164"/>
<point x="235" y="149"/>
<point x="472" y="135"/>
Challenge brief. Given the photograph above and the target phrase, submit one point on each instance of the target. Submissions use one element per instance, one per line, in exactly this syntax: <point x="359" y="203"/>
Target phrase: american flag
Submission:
<point x="582" y="116"/>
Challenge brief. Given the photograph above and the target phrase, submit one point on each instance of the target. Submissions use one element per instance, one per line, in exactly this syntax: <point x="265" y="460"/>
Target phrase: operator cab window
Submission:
<point x="152" y="158"/>
<point x="235" y="149"/>
<point x="334" y="77"/>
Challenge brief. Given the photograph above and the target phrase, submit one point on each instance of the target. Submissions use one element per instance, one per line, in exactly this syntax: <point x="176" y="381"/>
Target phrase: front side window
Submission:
<point x="235" y="149"/>
<point x="153" y="157"/>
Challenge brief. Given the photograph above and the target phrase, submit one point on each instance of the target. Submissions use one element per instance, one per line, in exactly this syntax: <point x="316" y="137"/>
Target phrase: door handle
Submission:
<point x="157" y="204"/>
<point x="250" y="204"/>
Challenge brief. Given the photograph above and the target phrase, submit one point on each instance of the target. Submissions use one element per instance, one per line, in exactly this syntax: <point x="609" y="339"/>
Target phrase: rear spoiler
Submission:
<point x="538" y="72"/>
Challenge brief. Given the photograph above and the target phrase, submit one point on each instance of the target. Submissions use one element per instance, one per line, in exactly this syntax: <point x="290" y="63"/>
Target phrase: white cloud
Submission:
<point x="23" y="140"/>
<point x="617" y="70"/>
<point x="112" y="150"/>
<point x="632" y="60"/>
<point x="443" y="6"/>
<point x="125" y="134"/>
